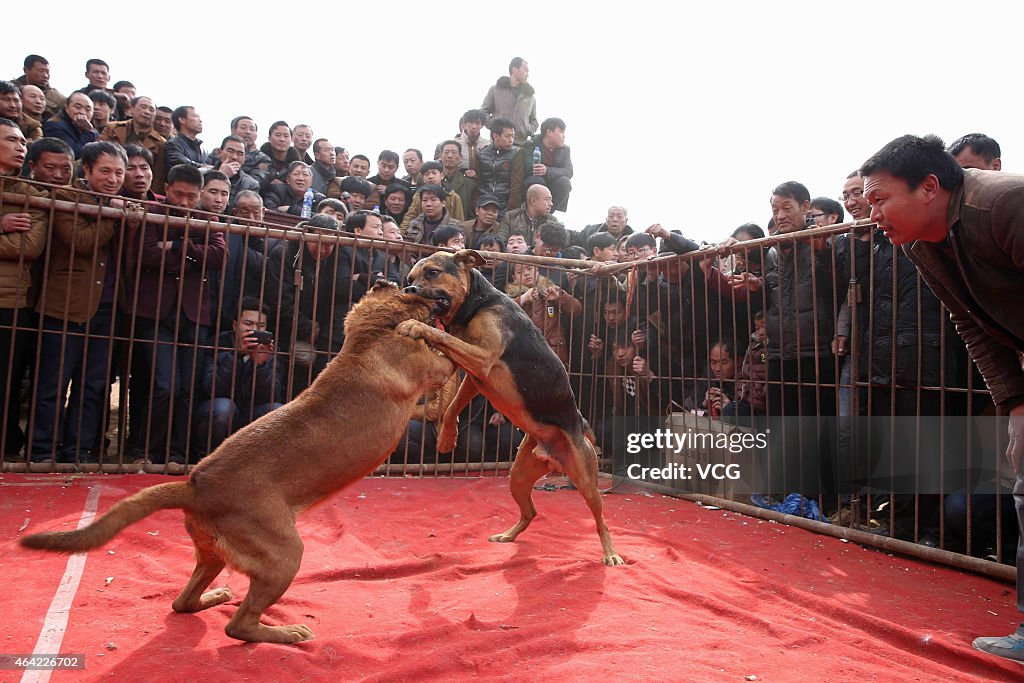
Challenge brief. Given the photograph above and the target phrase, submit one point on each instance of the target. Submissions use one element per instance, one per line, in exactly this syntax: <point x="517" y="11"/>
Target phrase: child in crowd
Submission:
<point x="750" y="400"/>
<point x="549" y="307"/>
<point x="715" y="394"/>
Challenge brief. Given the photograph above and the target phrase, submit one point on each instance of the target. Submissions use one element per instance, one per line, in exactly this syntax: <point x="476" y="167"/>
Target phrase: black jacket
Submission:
<point x="183" y="150"/>
<point x="321" y="293"/>
<point x="798" y="282"/>
<point x="229" y="374"/>
<point x="279" y="195"/>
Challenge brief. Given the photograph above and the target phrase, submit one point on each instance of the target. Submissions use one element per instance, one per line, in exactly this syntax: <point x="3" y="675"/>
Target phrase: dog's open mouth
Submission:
<point x="442" y="304"/>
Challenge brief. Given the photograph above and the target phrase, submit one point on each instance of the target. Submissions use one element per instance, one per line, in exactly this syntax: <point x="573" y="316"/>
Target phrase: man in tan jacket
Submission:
<point x="138" y="130"/>
<point x="77" y="306"/>
<point x="22" y="240"/>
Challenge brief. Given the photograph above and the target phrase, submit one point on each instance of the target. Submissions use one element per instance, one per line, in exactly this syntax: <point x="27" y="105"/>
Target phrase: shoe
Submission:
<point x="1007" y="647"/>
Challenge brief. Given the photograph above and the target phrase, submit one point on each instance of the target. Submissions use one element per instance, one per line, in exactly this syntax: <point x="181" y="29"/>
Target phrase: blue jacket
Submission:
<point x="62" y="128"/>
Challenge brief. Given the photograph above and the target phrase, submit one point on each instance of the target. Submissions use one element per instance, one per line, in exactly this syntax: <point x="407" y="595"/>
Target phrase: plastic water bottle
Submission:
<point x="307" y="203"/>
<point x="538" y="158"/>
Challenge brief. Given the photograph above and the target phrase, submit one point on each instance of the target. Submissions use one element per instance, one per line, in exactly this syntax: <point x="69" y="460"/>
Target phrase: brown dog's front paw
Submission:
<point x="413" y="329"/>
<point x="614" y="560"/>
<point x="446" y="439"/>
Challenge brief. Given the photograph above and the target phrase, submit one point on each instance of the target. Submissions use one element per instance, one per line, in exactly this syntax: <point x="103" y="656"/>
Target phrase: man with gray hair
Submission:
<point x="616" y="224"/>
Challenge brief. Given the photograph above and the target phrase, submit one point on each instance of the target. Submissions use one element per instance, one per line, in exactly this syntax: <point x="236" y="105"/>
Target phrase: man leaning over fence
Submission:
<point x="964" y="229"/>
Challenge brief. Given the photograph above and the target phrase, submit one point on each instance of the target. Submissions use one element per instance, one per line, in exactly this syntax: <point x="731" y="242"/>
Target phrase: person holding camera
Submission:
<point x="240" y="379"/>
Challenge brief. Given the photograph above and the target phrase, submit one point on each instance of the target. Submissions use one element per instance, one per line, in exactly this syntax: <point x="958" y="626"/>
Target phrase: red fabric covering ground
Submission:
<point x="399" y="583"/>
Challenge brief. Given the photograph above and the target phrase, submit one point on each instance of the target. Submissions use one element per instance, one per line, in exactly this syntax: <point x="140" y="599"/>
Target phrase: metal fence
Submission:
<point x="812" y="373"/>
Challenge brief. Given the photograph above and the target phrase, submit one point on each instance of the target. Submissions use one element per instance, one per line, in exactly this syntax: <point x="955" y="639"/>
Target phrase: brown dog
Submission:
<point x="509" y="362"/>
<point x="240" y="502"/>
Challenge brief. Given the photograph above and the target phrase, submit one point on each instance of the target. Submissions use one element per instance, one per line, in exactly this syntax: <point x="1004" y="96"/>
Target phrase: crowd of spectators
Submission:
<point x="207" y="330"/>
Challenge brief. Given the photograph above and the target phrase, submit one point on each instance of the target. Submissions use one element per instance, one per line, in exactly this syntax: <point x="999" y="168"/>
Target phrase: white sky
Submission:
<point x="688" y="116"/>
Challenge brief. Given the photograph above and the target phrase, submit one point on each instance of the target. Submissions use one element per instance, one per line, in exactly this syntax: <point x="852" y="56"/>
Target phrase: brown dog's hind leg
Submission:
<point x="208" y="565"/>
<point x="192" y="597"/>
<point x="271" y="562"/>
<point x="581" y="468"/>
<point x="526" y="470"/>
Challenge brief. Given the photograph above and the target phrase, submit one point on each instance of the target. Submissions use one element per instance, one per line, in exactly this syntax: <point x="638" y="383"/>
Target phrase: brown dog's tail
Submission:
<point x="130" y="510"/>
<point x="588" y="431"/>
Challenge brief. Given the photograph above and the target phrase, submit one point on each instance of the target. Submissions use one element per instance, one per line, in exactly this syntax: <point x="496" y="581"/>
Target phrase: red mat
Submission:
<point x="399" y="583"/>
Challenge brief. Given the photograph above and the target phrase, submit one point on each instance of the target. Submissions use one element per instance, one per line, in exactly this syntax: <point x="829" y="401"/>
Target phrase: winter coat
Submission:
<point x="501" y="176"/>
<point x="558" y="161"/>
<point x="552" y="319"/>
<point x="54" y="99"/>
<point x="186" y="266"/>
<point x="62" y="128"/>
<point x="302" y="282"/>
<point x="801" y="314"/>
<point x="518" y="106"/>
<point x="124" y="133"/>
<point x="916" y="337"/>
<point x="19" y="250"/>
<point x="78" y="258"/>
<point x="519" y="220"/>
<point x="227" y="373"/>
<point x="579" y="238"/>
<point x="754" y="376"/>
<point x="183" y="150"/>
<point x="279" y="195"/>
<point x="452" y="204"/>
<point x="416" y="233"/>
<point x="978" y="273"/>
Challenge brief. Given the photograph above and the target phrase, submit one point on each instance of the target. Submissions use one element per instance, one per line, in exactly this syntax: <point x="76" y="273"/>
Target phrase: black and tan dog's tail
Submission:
<point x="130" y="510"/>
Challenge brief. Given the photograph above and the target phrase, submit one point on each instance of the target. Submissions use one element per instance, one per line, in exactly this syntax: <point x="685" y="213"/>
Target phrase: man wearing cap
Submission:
<point x="434" y="214"/>
<point x="485" y="223"/>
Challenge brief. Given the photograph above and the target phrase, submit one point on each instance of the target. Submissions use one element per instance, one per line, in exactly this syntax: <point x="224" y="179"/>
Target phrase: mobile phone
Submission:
<point x="263" y="336"/>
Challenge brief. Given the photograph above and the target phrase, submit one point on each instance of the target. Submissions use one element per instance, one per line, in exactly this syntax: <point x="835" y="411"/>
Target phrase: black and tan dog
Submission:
<point x="241" y="501"/>
<point x="508" y="361"/>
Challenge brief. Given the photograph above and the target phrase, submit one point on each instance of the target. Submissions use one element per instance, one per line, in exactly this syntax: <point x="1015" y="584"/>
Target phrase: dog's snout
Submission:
<point x="411" y="289"/>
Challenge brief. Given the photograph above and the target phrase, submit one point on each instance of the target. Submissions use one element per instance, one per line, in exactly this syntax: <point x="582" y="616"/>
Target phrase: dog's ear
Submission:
<point x="470" y="257"/>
